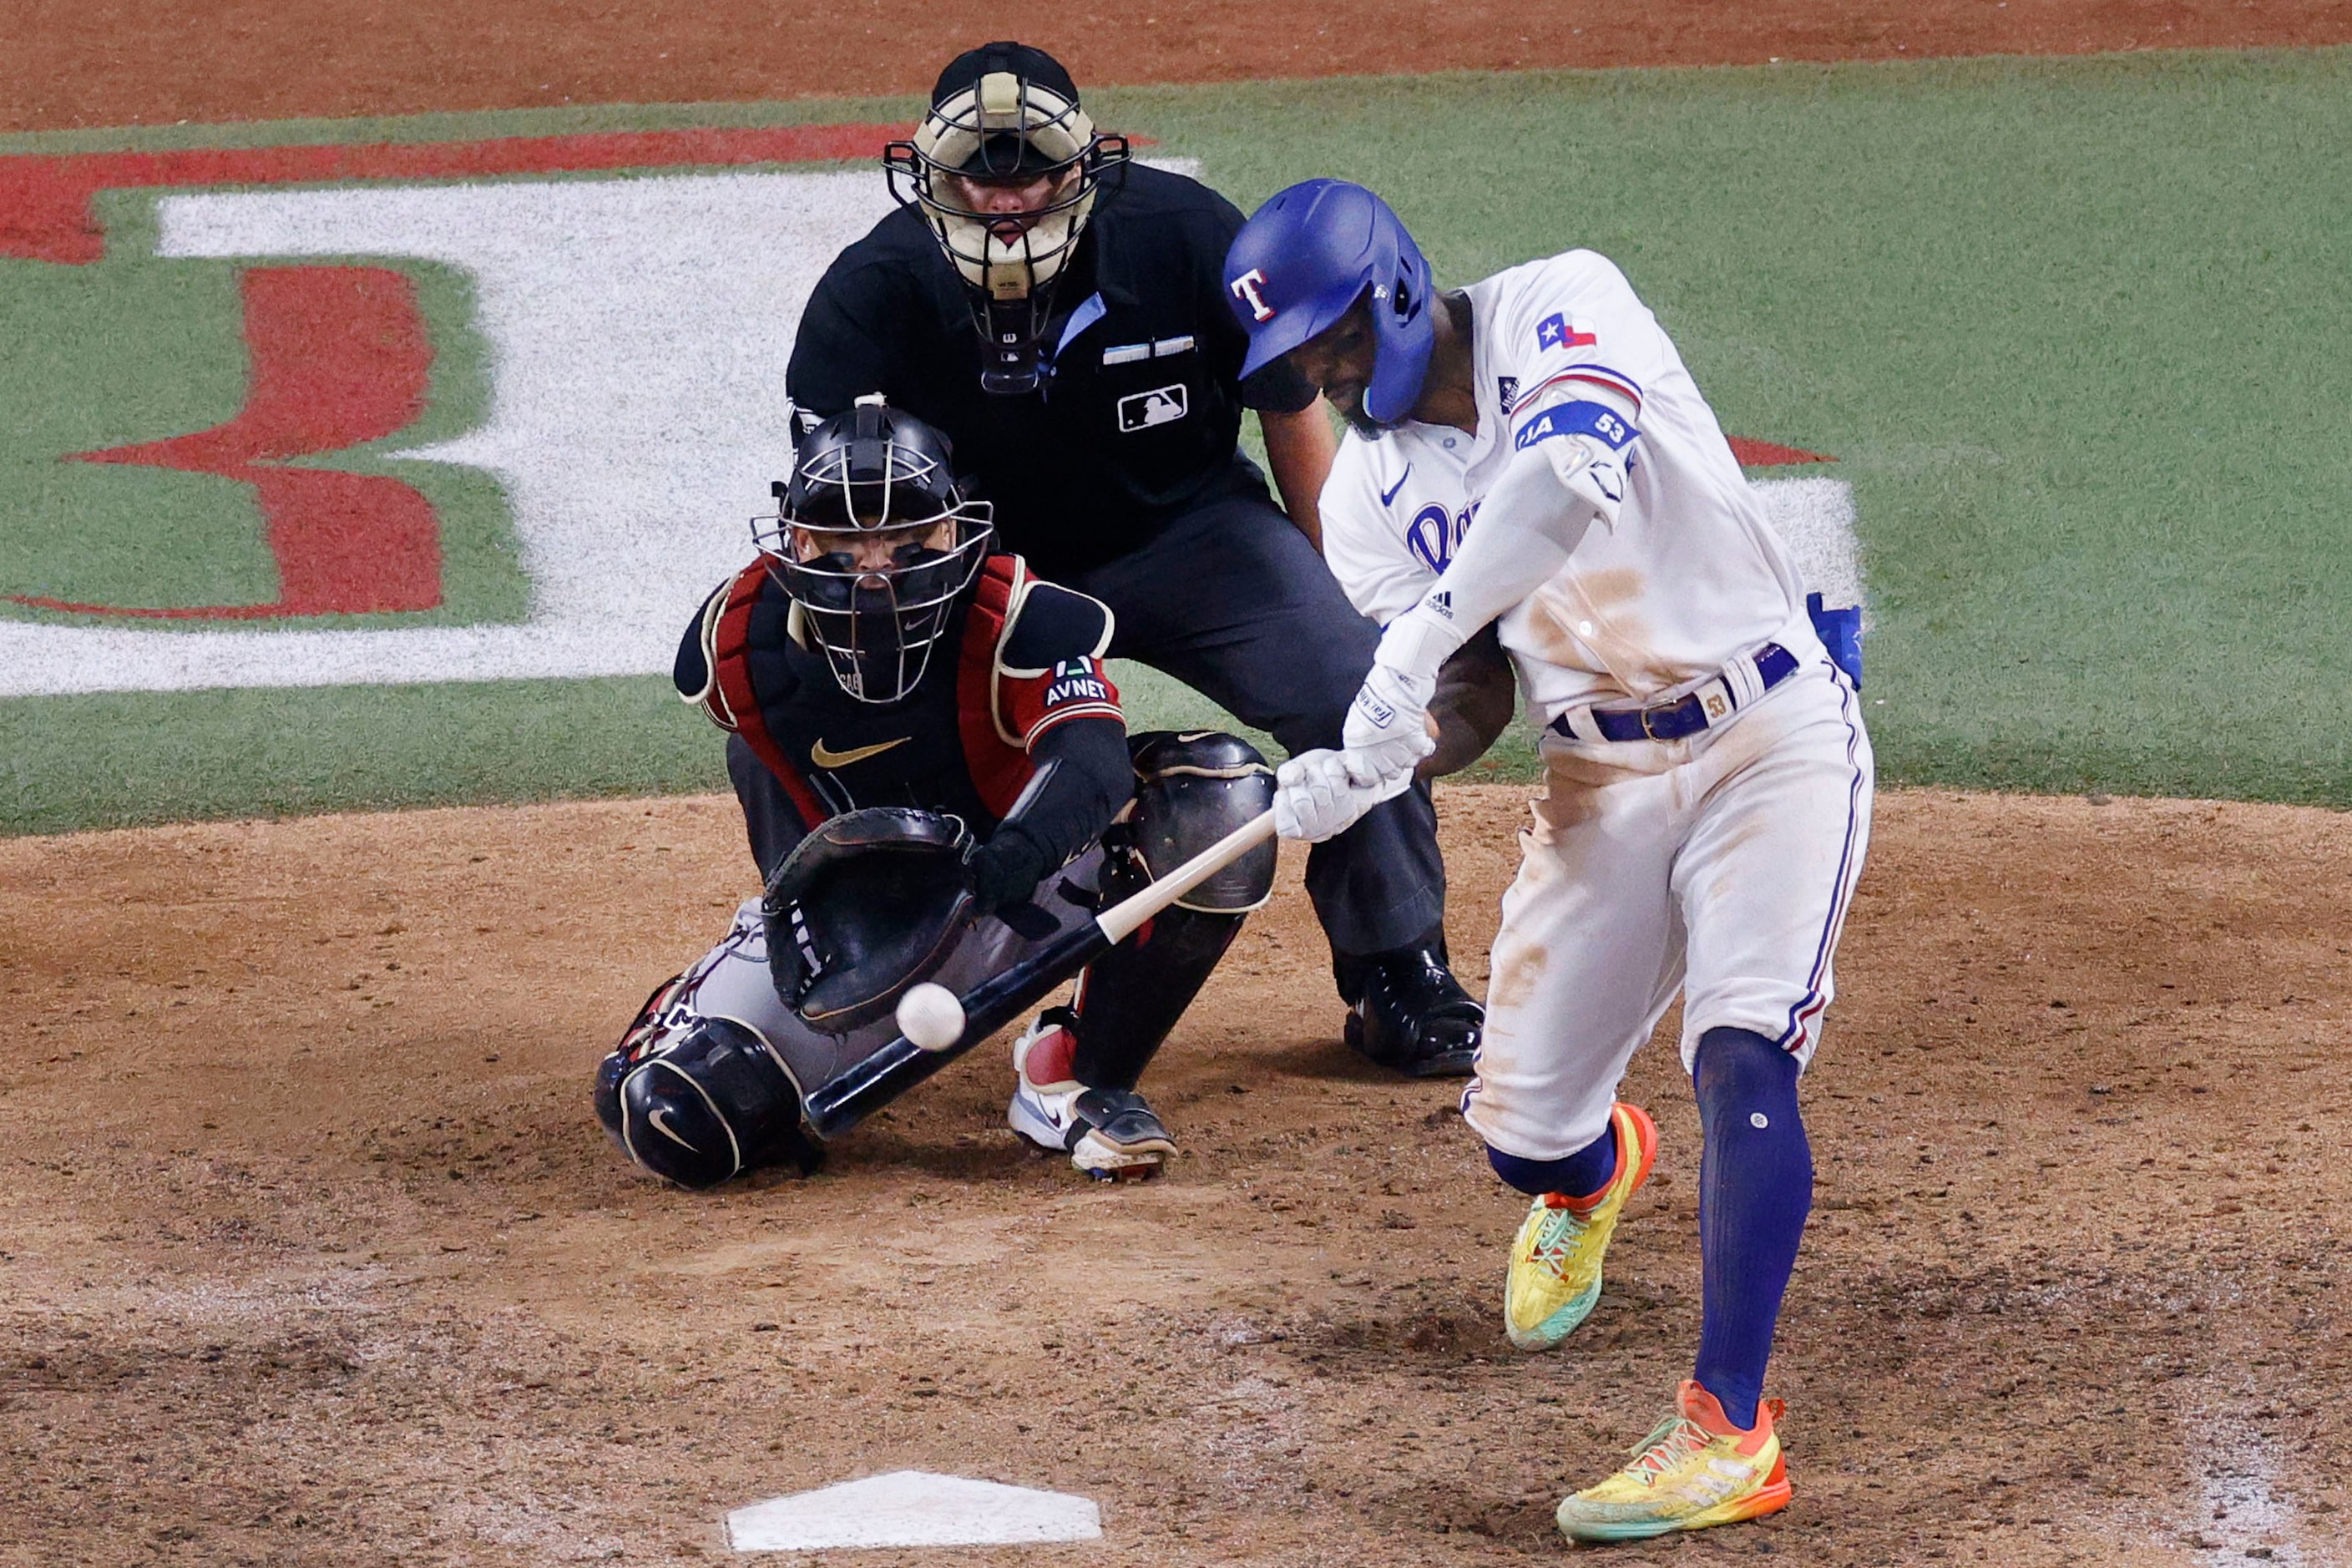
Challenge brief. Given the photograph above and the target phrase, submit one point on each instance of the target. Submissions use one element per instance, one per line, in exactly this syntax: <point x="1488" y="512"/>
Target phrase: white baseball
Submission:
<point x="930" y="1016"/>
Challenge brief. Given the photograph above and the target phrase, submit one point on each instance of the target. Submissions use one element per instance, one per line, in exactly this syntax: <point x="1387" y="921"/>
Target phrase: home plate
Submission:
<point x="912" y="1508"/>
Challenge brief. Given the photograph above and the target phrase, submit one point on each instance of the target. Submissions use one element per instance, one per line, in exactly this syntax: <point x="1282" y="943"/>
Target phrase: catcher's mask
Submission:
<point x="874" y="541"/>
<point x="867" y="904"/>
<point x="1005" y="118"/>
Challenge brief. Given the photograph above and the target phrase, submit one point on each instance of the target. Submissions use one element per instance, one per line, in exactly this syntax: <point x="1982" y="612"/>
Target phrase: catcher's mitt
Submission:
<point x="867" y="904"/>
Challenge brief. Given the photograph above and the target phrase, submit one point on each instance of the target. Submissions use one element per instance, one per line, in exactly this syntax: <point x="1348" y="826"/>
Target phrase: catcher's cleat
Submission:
<point x="1696" y="1470"/>
<point x="1412" y="1015"/>
<point x="1110" y="1133"/>
<point x="1555" y="1273"/>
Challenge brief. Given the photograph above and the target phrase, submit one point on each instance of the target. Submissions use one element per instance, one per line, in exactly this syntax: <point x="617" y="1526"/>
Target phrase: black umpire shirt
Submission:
<point x="1135" y="418"/>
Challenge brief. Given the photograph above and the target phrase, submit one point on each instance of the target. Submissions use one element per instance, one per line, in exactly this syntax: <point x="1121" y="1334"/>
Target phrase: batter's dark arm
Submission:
<point x="1474" y="700"/>
<point x="1299" y="450"/>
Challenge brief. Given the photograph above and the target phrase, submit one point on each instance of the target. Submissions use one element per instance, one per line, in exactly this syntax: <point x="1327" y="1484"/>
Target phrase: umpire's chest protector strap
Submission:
<point x="999" y="764"/>
<point x="733" y="705"/>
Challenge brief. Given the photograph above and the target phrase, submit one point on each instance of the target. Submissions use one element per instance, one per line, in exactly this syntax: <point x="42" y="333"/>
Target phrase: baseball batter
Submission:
<point x="1530" y="452"/>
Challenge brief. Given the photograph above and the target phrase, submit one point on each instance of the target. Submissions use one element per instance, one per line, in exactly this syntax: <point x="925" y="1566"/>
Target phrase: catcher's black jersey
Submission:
<point x="1138" y="417"/>
<point x="1021" y="659"/>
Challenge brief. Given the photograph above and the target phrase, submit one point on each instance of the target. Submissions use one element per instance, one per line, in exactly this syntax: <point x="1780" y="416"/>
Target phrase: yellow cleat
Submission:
<point x="1696" y="1470"/>
<point x="1555" y="1275"/>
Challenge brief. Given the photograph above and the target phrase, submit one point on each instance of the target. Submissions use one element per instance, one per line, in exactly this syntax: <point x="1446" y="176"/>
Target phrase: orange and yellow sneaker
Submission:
<point x="1555" y="1273"/>
<point x="1696" y="1470"/>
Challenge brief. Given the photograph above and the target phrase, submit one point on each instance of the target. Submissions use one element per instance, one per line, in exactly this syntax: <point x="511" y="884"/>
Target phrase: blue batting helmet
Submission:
<point x="1305" y="259"/>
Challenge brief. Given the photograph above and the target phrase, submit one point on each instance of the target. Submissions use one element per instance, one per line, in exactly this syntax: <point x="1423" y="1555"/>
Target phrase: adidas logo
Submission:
<point x="1441" y="603"/>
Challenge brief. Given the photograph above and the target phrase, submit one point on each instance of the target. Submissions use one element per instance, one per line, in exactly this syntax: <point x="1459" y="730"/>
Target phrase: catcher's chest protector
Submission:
<point x="955" y="743"/>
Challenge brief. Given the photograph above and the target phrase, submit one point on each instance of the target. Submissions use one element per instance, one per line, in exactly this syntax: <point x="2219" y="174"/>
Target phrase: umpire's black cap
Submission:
<point x="1028" y="63"/>
<point x="1006" y="155"/>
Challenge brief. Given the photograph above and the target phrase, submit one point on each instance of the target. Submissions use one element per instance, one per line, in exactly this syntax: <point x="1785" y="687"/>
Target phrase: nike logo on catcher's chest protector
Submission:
<point x="824" y="758"/>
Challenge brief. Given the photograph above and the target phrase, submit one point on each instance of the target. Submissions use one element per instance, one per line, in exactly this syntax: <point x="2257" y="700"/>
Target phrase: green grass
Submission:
<point x="2079" y="332"/>
<point x="137" y="349"/>
<point x="465" y="125"/>
<point x="151" y="757"/>
<point x="147" y="757"/>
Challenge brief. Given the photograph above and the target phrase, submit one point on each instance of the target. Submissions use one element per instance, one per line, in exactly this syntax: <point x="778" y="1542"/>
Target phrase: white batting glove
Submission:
<point x="1315" y="798"/>
<point x="1387" y="725"/>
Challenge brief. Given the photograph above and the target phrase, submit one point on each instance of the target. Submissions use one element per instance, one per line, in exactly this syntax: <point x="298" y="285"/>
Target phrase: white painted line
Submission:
<point x="638" y="330"/>
<point x="912" y="1508"/>
<point x="2243" y="1508"/>
<point x="1815" y="518"/>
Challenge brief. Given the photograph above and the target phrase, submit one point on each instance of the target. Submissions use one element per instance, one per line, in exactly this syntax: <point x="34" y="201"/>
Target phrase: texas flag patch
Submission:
<point x="1557" y="331"/>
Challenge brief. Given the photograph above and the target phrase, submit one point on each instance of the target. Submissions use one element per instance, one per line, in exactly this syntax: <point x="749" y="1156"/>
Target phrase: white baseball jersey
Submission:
<point x="1688" y="574"/>
<point x="1718" y="866"/>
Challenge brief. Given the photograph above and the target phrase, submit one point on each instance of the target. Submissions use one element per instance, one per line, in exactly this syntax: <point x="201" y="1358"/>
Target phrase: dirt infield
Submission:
<point x="142" y="62"/>
<point x="312" y="1253"/>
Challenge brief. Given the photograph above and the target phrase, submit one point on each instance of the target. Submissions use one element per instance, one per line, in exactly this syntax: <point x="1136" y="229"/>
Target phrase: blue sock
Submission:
<point x="1580" y="1175"/>
<point x="1756" y="1186"/>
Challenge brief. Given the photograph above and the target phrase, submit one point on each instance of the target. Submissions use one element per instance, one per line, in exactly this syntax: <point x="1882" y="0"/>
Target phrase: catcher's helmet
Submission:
<point x="873" y="540"/>
<point x="1003" y="114"/>
<point x="1303" y="261"/>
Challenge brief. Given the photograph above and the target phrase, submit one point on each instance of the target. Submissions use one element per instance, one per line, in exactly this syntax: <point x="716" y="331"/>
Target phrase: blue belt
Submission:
<point x="1686" y="715"/>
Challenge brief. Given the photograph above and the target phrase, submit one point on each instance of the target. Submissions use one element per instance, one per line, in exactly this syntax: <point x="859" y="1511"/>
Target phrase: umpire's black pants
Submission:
<point x="1230" y="599"/>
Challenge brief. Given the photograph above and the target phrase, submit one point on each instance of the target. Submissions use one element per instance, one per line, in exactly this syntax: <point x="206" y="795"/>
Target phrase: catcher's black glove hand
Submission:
<point x="1006" y="870"/>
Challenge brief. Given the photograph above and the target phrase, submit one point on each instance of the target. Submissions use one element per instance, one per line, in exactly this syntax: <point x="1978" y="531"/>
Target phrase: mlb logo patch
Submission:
<point x="1557" y="331"/>
<point x="1161" y="405"/>
<point x="1507" y="388"/>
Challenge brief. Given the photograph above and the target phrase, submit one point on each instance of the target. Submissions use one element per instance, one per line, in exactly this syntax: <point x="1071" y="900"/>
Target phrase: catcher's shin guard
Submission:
<point x="1190" y="790"/>
<point x="1130" y="997"/>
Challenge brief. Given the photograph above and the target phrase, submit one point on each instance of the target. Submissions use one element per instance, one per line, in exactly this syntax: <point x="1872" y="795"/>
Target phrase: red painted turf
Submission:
<point x="45" y="202"/>
<point x="340" y="356"/>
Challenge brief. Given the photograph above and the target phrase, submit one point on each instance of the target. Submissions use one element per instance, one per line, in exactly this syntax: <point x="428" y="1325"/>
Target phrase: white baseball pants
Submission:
<point x="1720" y="865"/>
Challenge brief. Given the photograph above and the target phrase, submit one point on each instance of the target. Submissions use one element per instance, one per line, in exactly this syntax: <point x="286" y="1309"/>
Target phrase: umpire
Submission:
<point x="1058" y="311"/>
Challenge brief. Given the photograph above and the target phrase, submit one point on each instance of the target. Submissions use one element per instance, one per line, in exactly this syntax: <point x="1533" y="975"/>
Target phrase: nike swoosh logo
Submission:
<point x="660" y="1118"/>
<point x="1390" y="494"/>
<point x="829" y="759"/>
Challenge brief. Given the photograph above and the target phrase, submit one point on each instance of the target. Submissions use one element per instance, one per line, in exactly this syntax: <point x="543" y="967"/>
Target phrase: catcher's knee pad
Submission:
<point x="1192" y="789"/>
<point x="696" y="1099"/>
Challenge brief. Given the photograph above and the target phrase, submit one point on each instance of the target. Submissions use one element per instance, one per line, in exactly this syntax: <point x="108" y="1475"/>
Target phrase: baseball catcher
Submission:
<point x="936" y="781"/>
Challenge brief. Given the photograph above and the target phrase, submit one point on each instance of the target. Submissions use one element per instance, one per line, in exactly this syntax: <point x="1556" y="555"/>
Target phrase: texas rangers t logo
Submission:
<point x="1245" y="288"/>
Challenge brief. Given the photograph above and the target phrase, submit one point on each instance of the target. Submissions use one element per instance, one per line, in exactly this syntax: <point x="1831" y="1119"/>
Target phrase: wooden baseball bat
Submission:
<point x="840" y="1103"/>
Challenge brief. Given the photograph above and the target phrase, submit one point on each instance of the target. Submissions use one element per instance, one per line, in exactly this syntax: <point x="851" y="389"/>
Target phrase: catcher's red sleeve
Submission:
<point x="1050" y="668"/>
<point x="1073" y="689"/>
